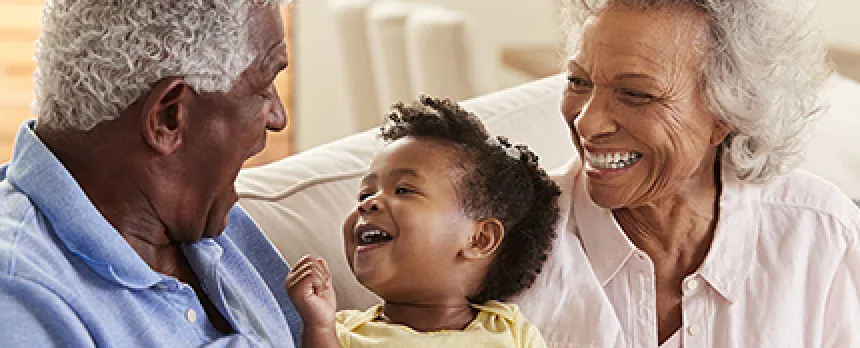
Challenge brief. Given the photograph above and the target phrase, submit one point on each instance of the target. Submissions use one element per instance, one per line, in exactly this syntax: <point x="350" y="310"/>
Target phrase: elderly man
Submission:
<point x="118" y="226"/>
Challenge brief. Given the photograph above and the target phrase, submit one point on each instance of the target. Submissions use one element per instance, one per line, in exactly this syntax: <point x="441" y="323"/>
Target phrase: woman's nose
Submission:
<point x="595" y="119"/>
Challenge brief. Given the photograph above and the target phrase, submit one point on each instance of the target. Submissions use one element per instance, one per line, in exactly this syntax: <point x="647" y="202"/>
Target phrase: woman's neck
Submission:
<point x="682" y="221"/>
<point x="429" y="317"/>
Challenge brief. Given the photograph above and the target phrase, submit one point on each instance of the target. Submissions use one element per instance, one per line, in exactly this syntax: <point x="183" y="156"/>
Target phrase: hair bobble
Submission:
<point x="502" y="142"/>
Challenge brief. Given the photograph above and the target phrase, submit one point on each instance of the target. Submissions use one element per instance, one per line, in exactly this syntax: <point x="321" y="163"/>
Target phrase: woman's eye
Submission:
<point x="578" y="84"/>
<point x="635" y="98"/>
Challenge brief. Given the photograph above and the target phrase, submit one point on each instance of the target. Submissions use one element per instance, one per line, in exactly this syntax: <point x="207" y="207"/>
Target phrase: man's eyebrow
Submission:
<point x="277" y="50"/>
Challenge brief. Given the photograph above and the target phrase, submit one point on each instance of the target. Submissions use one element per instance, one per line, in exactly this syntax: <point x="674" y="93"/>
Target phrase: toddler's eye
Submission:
<point x="363" y="196"/>
<point x="403" y="190"/>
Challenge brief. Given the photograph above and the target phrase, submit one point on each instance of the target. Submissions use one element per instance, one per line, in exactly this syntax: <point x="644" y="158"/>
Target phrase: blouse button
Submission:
<point x="692" y="330"/>
<point x="191" y="315"/>
<point x="691" y="285"/>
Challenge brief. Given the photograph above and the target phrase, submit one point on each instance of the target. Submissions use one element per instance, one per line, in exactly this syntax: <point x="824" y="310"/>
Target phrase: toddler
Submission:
<point x="450" y="223"/>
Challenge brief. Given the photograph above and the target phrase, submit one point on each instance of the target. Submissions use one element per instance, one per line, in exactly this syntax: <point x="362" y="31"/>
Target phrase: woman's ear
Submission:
<point x="165" y="114"/>
<point x="485" y="240"/>
<point x="721" y="131"/>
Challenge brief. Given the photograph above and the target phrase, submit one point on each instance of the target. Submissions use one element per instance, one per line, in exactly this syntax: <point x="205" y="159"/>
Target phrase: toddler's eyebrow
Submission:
<point x="394" y="173"/>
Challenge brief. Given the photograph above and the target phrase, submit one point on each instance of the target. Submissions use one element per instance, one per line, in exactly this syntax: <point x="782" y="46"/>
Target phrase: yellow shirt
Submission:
<point x="496" y="325"/>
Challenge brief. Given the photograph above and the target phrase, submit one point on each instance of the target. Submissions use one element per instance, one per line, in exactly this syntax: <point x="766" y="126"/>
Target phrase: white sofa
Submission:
<point x="301" y="201"/>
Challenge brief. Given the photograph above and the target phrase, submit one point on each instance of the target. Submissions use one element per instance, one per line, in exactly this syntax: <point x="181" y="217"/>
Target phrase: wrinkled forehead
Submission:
<point x="652" y="37"/>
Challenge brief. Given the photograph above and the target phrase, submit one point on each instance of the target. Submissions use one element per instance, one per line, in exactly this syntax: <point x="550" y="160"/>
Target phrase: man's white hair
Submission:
<point x="762" y="71"/>
<point x="95" y="57"/>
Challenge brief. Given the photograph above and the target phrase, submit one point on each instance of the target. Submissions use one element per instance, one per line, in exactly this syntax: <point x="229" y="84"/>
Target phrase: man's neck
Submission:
<point x="106" y="177"/>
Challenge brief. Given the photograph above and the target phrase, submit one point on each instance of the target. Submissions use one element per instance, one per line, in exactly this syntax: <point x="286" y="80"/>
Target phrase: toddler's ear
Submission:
<point x="485" y="239"/>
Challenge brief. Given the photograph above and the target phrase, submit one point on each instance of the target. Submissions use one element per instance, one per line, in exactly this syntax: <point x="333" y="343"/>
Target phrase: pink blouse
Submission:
<point x="783" y="271"/>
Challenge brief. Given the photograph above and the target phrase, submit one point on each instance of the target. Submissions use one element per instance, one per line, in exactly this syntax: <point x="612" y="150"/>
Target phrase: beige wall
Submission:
<point x="320" y="107"/>
<point x="841" y="19"/>
<point x="320" y="101"/>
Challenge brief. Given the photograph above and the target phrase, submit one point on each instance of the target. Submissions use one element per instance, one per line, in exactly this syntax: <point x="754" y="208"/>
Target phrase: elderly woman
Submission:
<point x="689" y="117"/>
<point x="118" y="223"/>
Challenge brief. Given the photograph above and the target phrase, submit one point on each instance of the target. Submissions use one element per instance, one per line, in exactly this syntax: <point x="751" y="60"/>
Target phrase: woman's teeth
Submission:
<point x="613" y="160"/>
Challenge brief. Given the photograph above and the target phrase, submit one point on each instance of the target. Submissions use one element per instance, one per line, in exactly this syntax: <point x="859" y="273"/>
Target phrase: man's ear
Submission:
<point x="721" y="131"/>
<point x="486" y="238"/>
<point x="165" y="114"/>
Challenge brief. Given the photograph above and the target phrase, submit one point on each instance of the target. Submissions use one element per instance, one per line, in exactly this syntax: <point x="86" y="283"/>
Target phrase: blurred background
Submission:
<point x="352" y="58"/>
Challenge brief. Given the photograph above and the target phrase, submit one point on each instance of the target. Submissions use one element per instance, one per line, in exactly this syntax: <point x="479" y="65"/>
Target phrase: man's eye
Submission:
<point x="578" y="84"/>
<point x="268" y="92"/>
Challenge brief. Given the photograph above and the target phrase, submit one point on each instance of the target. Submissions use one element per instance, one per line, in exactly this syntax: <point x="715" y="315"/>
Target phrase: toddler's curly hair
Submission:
<point x="501" y="181"/>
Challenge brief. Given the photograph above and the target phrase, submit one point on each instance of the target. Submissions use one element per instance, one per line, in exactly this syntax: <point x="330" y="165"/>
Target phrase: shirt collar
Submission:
<point x="727" y="264"/>
<point x="605" y="244"/>
<point x="76" y="222"/>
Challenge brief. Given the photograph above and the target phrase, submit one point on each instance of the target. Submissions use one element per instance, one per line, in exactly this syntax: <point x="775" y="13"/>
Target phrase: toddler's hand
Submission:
<point x="309" y="287"/>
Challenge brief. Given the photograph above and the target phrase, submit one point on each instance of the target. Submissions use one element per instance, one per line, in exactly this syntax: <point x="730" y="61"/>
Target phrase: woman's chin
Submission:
<point x="607" y="198"/>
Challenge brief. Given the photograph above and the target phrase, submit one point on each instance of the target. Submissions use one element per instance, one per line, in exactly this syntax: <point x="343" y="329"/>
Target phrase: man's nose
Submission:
<point x="276" y="119"/>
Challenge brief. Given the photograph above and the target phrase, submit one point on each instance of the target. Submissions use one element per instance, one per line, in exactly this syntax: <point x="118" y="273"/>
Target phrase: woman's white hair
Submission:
<point x="95" y="57"/>
<point x="762" y="71"/>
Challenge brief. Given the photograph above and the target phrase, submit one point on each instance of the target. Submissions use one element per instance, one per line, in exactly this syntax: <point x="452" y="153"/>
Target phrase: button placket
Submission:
<point x="695" y="304"/>
<point x="647" y="315"/>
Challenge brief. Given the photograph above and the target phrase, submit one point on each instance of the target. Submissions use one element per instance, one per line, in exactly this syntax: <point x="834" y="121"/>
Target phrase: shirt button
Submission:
<point x="691" y="285"/>
<point x="191" y="315"/>
<point x="692" y="330"/>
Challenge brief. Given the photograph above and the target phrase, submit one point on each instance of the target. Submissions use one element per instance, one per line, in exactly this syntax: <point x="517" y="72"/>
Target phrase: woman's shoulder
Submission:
<point x="800" y="193"/>
<point x="801" y="188"/>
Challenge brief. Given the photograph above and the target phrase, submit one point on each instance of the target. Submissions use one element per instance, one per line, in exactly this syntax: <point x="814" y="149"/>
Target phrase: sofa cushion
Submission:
<point x="834" y="152"/>
<point x="301" y="201"/>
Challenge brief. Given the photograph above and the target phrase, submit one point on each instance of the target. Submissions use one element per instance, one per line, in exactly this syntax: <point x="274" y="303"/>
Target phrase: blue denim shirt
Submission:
<point x="67" y="277"/>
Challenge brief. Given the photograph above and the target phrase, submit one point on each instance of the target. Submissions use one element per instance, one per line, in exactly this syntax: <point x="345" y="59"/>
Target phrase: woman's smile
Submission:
<point x="607" y="164"/>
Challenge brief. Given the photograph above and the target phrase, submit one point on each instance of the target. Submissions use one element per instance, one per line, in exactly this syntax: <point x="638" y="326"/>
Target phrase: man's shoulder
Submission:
<point x="28" y="250"/>
<point x="17" y="215"/>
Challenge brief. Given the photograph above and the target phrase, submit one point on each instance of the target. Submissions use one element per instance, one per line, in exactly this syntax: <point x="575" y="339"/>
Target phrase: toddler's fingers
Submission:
<point x="303" y="268"/>
<point x="297" y="277"/>
<point x="324" y="270"/>
<point x="305" y="259"/>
